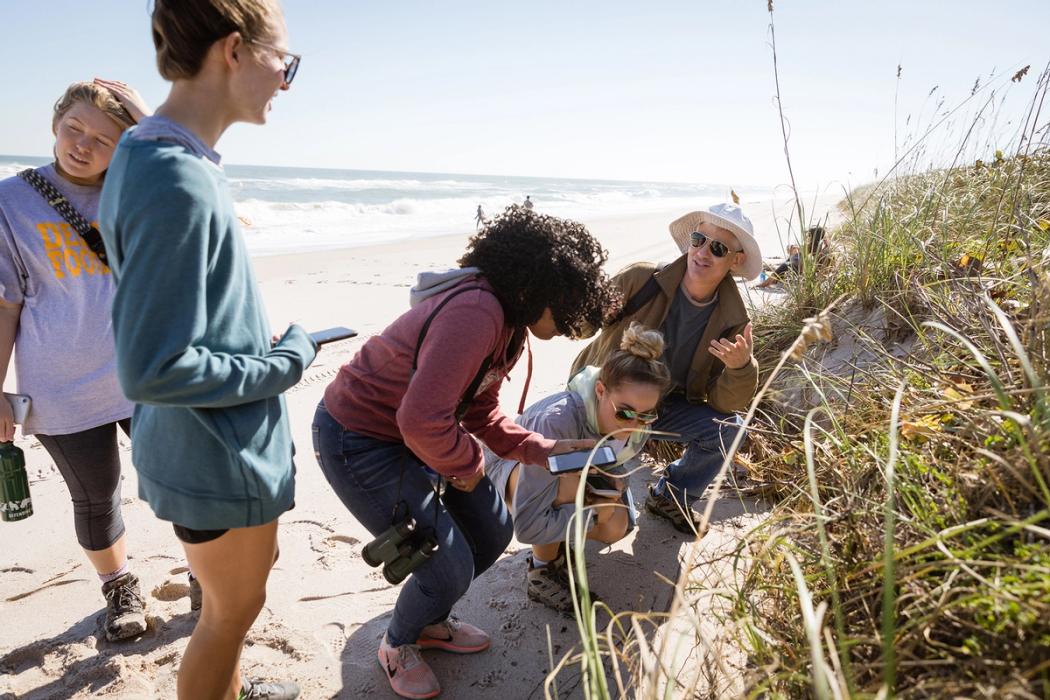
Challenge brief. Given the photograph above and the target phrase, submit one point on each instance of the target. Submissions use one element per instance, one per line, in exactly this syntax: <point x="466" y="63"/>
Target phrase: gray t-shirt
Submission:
<point x="682" y="328"/>
<point x="536" y="519"/>
<point x="64" y="353"/>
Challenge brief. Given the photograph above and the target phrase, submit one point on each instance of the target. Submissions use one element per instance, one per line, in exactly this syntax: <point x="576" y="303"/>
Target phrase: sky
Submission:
<point x="661" y="90"/>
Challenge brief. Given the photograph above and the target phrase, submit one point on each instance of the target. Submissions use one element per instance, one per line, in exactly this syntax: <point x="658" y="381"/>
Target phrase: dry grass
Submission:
<point x="908" y="459"/>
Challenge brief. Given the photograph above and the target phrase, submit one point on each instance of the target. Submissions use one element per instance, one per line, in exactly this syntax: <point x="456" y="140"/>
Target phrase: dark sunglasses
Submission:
<point x="718" y="248"/>
<point x="629" y="414"/>
<point x="291" y="60"/>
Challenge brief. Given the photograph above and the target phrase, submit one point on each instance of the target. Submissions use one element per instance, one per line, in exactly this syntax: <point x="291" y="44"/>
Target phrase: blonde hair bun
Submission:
<point x="646" y="343"/>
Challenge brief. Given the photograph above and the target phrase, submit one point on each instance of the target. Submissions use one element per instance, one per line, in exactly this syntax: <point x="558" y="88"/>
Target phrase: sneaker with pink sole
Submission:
<point x="409" y="675"/>
<point x="455" y="636"/>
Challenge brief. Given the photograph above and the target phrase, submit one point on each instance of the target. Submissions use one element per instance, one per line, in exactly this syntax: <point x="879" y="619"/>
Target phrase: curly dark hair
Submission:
<point x="535" y="261"/>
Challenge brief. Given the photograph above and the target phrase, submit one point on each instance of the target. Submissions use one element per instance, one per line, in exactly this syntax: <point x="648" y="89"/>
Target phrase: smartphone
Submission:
<point x="19" y="406"/>
<point x="330" y="335"/>
<point x="575" y="461"/>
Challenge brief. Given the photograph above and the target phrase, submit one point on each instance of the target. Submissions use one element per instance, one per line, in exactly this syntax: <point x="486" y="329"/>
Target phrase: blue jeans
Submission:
<point x="708" y="434"/>
<point x="473" y="529"/>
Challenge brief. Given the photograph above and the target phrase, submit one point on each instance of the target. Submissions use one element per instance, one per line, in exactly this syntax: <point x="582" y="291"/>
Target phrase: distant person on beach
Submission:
<point x="528" y="202"/>
<point x="816" y="247"/>
<point x="793" y="263"/>
<point x="212" y="444"/>
<point x="695" y="303"/>
<point x="414" y="406"/>
<point x="619" y="398"/>
<point x="55" y="294"/>
<point x="480" y="219"/>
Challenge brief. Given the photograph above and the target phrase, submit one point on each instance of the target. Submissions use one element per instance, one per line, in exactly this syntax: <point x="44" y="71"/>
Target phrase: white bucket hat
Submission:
<point x="731" y="218"/>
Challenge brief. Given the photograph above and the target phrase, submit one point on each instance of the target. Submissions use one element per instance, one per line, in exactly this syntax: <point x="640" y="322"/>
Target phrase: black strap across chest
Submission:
<point x="59" y="203"/>
<point x="639" y="299"/>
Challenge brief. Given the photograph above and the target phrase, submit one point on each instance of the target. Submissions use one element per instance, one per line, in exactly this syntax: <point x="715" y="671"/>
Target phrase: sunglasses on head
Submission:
<point x="718" y="248"/>
<point x="629" y="414"/>
<point x="291" y="60"/>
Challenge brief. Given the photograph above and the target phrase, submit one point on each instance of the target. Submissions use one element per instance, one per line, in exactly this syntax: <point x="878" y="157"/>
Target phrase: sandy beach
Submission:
<point x="326" y="609"/>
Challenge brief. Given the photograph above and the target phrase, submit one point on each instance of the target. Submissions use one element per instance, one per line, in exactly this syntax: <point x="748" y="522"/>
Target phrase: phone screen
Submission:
<point x="330" y="335"/>
<point x="574" y="461"/>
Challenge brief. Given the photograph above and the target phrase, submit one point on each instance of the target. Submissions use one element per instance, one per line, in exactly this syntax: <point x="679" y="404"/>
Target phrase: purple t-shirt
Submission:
<point x="64" y="354"/>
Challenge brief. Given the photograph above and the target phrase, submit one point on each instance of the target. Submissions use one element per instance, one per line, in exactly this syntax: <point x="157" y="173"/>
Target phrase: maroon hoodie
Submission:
<point x="374" y="394"/>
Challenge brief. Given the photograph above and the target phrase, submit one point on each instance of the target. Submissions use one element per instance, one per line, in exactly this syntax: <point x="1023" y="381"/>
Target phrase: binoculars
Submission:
<point x="401" y="549"/>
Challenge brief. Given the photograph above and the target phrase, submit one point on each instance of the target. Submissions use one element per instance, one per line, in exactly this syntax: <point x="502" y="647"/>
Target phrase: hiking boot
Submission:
<point x="125" y="608"/>
<point x="454" y="636"/>
<point x="409" y="675"/>
<point x="680" y="515"/>
<point x="549" y="585"/>
<point x="255" y="689"/>
<point x="196" y="595"/>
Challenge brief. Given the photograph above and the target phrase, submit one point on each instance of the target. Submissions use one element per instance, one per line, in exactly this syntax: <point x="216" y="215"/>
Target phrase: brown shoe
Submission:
<point x="680" y="515"/>
<point x="125" y="608"/>
<point x="549" y="585"/>
<point x="196" y="594"/>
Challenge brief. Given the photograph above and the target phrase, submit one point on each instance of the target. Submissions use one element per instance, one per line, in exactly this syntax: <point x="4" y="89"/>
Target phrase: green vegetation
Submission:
<point x="902" y="439"/>
<point x="918" y="504"/>
<point x="901" y="436"/>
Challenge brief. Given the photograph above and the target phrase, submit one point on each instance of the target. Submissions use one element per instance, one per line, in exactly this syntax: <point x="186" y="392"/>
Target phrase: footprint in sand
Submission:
<point x="170" y="591"/>
<point x="332" y="637"/>
<point x="31" y="655"/>
<point x="280" y="639"/>
<point x="492" y="678"/>
<point x="169" y="658"/>
<point x="16" y="570"/>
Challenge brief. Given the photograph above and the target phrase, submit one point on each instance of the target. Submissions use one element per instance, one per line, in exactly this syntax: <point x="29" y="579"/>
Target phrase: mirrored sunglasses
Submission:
<point x="629" y="414"/>
<point x="718" y="248"/>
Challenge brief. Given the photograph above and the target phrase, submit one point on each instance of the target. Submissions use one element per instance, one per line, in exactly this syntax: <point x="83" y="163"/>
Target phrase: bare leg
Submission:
<point x="232" y="571"/>
<point x="108" y="560"/>
<point x="545" y="552"/>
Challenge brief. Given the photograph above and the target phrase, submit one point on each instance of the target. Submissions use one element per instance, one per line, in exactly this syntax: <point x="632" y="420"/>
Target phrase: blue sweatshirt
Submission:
<point x="210" y="438"/>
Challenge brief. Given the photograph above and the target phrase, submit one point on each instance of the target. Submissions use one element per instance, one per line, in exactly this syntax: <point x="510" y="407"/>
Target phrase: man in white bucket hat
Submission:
<point x="695" y="302"/>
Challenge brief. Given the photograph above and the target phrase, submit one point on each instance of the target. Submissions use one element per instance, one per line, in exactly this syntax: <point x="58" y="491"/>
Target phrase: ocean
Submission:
<point x="300" y="209"/>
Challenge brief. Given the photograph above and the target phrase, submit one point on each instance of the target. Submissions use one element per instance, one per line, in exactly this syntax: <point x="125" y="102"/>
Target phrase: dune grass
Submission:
<point x="907" y="461"/>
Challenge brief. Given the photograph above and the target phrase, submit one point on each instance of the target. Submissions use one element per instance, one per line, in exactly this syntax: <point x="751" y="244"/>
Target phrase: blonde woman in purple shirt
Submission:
<point x="54" y="316"/>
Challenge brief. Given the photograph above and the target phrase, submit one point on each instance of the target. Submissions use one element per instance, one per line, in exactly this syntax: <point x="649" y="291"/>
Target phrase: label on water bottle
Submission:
<point x="16" y="510"/>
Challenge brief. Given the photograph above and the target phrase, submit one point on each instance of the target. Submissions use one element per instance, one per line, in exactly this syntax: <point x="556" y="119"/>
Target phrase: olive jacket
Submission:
<point x="710" y="381"/>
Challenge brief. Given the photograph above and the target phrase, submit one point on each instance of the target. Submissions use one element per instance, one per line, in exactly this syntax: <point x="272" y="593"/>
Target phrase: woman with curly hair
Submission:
<point x="408" y="412"/>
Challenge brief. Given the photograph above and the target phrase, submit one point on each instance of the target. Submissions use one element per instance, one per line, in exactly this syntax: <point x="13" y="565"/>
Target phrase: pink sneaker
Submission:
<point x="455" y="636"/>
<point x="408" y="673"/>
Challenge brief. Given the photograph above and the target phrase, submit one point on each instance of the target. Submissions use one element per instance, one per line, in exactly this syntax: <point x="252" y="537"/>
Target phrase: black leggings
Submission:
<point x="89" y="461"/>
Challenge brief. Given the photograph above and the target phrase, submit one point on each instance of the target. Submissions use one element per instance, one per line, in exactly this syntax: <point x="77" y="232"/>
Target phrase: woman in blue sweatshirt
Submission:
<point x="211" y="443"/>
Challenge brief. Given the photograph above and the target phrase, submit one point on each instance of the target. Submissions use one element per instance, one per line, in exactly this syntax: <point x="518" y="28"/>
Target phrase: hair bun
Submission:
<point x="643" y="342"/>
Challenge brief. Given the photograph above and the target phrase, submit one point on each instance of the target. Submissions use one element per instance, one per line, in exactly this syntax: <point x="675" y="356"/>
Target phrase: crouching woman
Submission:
<point x="408" y="411"/>
<point x="619" y="399"/>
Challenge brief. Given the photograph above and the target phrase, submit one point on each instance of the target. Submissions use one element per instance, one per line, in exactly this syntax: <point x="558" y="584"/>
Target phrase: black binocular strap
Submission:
<point x="640" y="298"/>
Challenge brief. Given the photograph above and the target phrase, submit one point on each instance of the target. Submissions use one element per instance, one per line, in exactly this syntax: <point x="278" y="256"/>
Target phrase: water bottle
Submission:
<point x="15" y="503"/>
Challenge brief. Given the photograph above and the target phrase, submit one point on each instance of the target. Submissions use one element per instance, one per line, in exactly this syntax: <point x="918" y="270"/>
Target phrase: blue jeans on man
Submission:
<point x="708" y="434"/>
<point x="473" y="529"/>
